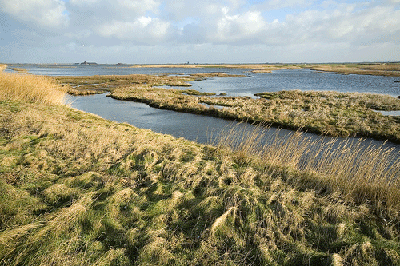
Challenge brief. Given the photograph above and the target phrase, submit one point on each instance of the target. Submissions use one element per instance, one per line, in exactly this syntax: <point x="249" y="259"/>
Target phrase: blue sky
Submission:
<point x="209" y="31"/>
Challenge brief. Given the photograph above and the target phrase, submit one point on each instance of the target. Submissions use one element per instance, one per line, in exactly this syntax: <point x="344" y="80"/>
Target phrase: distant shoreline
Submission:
<point x="375" y="69"/>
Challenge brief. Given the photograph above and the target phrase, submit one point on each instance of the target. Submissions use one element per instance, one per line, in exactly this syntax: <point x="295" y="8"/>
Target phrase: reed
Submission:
<point x="2" y="67"/>
<point x="361" y="173"/>
<point x="29" y="88"/>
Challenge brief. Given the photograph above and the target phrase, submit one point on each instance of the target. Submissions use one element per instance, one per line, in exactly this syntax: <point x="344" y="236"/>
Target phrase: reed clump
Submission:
<point x="30" y="88"/>
<point x="76" y="189"/>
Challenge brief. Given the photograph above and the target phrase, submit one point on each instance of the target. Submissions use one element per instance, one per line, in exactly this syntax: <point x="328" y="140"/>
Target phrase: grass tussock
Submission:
<point x="2" y="67"/>
<point x="76" y="189"/>
<point x="29" y="88"/>
<point x="327" y="113"/>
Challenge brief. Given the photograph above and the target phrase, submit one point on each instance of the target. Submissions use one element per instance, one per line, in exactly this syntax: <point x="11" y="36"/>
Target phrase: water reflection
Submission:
<point x="199" y="128"/>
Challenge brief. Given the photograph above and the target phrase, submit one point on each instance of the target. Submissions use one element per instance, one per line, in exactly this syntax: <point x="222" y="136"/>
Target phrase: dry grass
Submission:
<point x="361" y="173"/>
<point x="29" y="88"/>
<point x="19" y="70"/>
<point x="2" y="67"/>
<point x="379" y="69"/>
<point x="238" y="66"/>
<point x="76" y="189"/>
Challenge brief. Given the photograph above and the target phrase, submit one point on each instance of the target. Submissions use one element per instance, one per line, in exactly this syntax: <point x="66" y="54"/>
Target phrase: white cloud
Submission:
<point x="140" y="6"/>
<point x="83" y="2"/>
<point x="206" y="9"/>
<point x="48" y="13"/>
<point x="208" y="30"/>
<point x="143" y="29"/>
<point x="105" y="9"/>
<point x="239" y="26"/>
<point x="278" y="4"/>
<point x="346" y="24"/>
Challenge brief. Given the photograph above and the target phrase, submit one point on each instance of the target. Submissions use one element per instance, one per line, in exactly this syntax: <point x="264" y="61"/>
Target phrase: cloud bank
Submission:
<point x="231" y="31"/>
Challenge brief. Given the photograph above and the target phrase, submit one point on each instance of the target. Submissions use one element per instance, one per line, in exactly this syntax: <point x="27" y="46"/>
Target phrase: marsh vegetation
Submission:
<point x="328" y="113"/>
<point x="99" y="84"/>
<point x="76" y="189"/>
<point x="376" y="69"/>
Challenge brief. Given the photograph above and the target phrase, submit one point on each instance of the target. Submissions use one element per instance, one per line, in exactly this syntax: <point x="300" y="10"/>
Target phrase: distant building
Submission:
<point x="88" y="63"/>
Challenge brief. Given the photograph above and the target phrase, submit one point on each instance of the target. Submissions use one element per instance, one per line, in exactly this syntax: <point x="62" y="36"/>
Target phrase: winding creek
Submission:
<point x="209" y="129"/>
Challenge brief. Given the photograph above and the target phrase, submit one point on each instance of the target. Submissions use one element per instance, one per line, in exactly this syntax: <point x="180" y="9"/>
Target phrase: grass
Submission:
<point x="2" y="67"/>
<point x="76" y="189"/>
<point x="19" y="70"/>
<point x="377" y="69"/>
<point x="99" y="84"/>
<point x="327" y="113"/>
<point x="29" y="88"/>
<point x="340" y="166"/>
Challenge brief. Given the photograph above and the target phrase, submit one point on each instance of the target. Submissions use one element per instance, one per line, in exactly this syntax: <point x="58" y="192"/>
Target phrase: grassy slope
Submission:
<point x="76" y="189"/>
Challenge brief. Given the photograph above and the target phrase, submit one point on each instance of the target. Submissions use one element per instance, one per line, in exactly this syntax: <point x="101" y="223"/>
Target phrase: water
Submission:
<point x="300" y="79"/>
<point x="202" y="129"/>
<point x="190" y="126"/>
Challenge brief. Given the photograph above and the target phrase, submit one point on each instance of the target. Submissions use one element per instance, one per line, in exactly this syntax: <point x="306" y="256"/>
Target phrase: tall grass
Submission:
<point x="30" y="88"/>
<point x="361" y="172"/>
<point x="2" y="67"/>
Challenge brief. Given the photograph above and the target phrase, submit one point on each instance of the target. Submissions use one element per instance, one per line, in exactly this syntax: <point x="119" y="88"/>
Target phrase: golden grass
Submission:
<point x="2" y="67"/>
<point x="19" y="70"/>
<point x="29" y="88"/>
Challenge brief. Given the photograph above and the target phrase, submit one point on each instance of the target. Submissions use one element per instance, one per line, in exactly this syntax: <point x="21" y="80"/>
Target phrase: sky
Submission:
<point x="199" y="31"/>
